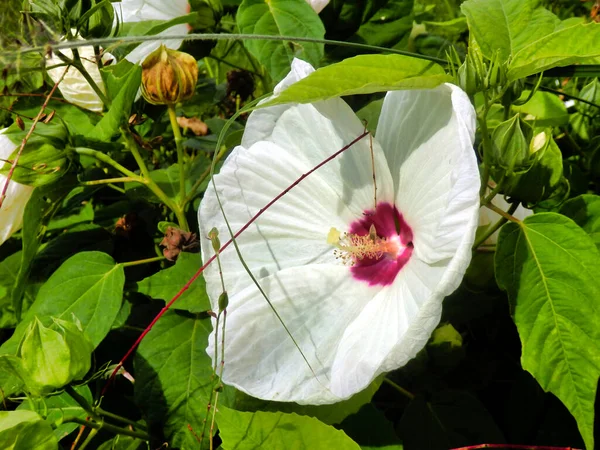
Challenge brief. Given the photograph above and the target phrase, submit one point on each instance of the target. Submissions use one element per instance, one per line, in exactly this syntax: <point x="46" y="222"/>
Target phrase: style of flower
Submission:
<point x="142" y="10"/>
<point x="74" y="87"/>
<point x="358" y="284"/>
<point x="17" y="195"/>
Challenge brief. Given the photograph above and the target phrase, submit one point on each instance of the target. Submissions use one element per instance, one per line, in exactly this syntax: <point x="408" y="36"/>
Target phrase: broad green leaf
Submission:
<point x="363" y="74"/>
<point x="166" y="283"/>
<point x="328" y="414"/>
<point x="89" y="285"/>
<point x="25" y="430"/>
<point x="585" y="212"/>
<point x="120" y="442"/>
<point x="528" y="36"/>
<point x="544" y="108"/>
<point x="56" y="407"/>
<point x="281" y="18"/>
<point x="549" y="267"/>
<point x="448" y="419"/>
<point x="506" y="26"/>
<point x="371" y="429"/>
<point x="9" y="269"/>
<point x="174" y="376"/>
<point x="122" y="83"/>
<point x="40" y="208"/>
<point x="263" y="430"/>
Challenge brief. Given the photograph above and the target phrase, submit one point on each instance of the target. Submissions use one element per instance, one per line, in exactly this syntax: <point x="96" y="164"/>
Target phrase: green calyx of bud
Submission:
<point x="168" y="76"/>
<point x="511" y="145"/>
<point x="54" y="356"/>
<point x="97" y="22"/>
<point x="223" y="301"/>
<point x="467" y="77"/>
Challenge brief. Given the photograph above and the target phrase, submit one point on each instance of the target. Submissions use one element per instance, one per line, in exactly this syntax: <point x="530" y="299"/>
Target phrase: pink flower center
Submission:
<point x="392" y="243"/>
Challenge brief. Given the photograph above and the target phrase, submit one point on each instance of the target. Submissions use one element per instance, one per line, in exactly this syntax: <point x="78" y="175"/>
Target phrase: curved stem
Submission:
<point x="495" y="227"/>
<point x="400" y="389"/>
<point x="227" y="37"/>
<point x="180" y="154"/>
<point x="108" y="427"/>
<point x="142" y="261"/>
<point x="111" y="162"/>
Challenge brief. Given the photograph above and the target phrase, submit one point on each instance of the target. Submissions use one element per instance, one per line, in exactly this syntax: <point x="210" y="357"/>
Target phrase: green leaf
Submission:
<point x="448" y="419"/>
<point x="25" y="430"/>
<point x="9" y="270"/>
<point x="328" y="414"/>
<point x="122" y="83"/>
<point x="89" y="285"/>
<point x="371" y="429"/>
<point x="56" y="407"/>
<point x="528" y="36"/>
<point x="549" y="267"/>
<point x="585" y="212"/>
<point x="363" y="74"/>
<point x="174" y="376"/>
<point x="544" y="108"/>
<point x="263" y="430"/>
<point x="281" y="18"/>
<point x="166" y="283"/>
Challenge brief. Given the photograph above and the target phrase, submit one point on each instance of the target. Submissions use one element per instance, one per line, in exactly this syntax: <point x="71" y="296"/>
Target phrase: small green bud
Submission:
<point x="467" y="77"/>
<point x="100" y="22"/>
<point x="168" y="76"/>
<point x="223" y="301"/>
<point x="511" y="145"/>
<point x="213" y="235"/>
<point x="53" y="358"/>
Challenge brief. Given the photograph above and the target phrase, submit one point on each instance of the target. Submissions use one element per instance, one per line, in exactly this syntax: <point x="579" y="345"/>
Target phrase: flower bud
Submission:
<point x="54" y="356"/>
<point x="467" y="77"/>
<point x="223" y="301"/>
<point x="511" y="145"/>
<point x="168" y="76"/>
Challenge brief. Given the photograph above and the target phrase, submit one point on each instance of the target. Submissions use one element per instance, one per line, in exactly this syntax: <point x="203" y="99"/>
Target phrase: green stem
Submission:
<point x="142" y="261"/>
<point x="203" y="177"/>
<point x="495" y="227"/>
<point x="494" y="192"/>
<point x="89" y="438"/>
<point x="151" y="184"/>
<point x="76" y="62"/>
<point x="111" y="162"/>
<point x="400" y="389"/>
<point x="110" y="181"/>
<point x="81" y="401"/>
<point x="120" y="419"/>
<point x="108" y="427"/>
<point x="180" y="154"/>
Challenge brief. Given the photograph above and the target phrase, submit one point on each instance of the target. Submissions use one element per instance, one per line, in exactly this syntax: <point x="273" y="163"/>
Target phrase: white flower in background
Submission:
<point x="17" y="195"/>
<point x="360" y="288"/>
<point x="74" y="87"/>
<point x="318" y="5"/>
<point x="142" y="10"/>
<point x="489" y="217"/>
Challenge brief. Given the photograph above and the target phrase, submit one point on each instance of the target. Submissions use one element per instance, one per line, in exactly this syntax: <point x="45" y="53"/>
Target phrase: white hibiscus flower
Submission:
<point x="359" y="287"/>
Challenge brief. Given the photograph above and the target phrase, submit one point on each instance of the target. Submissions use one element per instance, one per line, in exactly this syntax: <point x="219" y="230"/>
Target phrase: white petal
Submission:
<point x="318" y="5"/>
<point x="141" y="10"/>
<point x="17" y="195"/>
<point x="316" y="303"/>
<point x="293" y="232"/>
<point x="74" y="88"/>
<point x="261" y="122"/>
<point x="138" y="54"/>
<point x="428" y="139"/>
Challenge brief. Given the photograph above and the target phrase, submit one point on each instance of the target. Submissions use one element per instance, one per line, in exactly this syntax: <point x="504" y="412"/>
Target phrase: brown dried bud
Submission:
<point x="168" y="76"/>
<point x="176" y="241"/>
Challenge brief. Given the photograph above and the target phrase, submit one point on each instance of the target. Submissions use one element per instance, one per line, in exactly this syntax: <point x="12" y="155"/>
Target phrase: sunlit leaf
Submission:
<point x="281" y="18"/>
<point x="364" y="74"/>
<point x="549" y="267"/>
<point x="261" y="430"/>
<point x="585" y="212"/>
<point x="25" y="430"/>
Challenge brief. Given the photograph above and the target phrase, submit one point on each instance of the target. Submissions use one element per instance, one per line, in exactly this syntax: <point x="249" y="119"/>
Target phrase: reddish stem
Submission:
<point x="513" y="446"/>
<point x="212" y="258"/>
<point x="26" y="138"/>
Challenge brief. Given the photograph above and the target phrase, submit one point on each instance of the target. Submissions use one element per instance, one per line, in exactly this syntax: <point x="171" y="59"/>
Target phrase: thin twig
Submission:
<point x="26" y="138"/>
